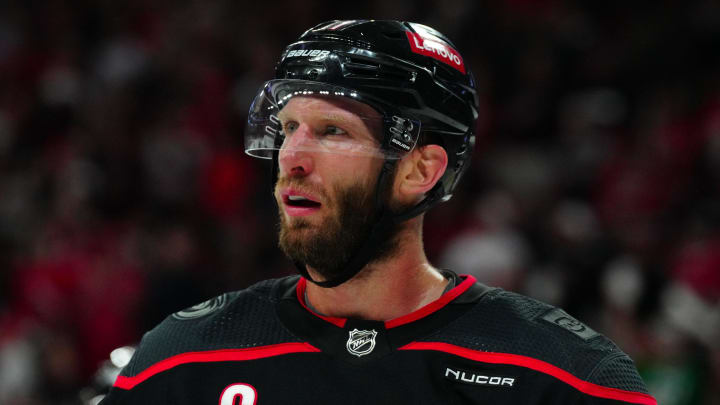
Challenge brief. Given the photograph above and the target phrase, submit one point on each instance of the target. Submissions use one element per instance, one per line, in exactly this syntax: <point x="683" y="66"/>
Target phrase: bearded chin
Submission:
<point x="329" y="246"/>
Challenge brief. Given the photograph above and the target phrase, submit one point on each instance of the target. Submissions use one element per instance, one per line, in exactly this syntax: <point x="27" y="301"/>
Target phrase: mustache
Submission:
<point x="301" y="185"/>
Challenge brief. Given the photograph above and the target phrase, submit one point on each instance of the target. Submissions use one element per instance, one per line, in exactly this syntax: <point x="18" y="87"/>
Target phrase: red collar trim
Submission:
<point x="433" y="306"/>
<point x="405" y="319"/>
<point x="301" y="286"/>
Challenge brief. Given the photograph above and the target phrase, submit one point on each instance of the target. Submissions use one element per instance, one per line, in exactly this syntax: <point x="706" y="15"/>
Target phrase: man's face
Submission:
<point x="327" y="175"/>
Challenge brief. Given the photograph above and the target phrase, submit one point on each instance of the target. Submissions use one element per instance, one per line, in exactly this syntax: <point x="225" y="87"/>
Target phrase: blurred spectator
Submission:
<point x="490" y="249"/>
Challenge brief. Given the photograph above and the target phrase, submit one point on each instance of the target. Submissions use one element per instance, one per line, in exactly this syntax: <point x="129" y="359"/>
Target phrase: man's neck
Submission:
<point x="382" y="291"/>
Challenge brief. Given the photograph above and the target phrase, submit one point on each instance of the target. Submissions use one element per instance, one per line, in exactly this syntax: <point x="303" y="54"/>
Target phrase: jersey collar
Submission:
<point x="467" y="281"/>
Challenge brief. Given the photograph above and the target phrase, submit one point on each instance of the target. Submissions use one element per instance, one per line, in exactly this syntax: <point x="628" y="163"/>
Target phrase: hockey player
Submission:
<point x="369" y="124"/>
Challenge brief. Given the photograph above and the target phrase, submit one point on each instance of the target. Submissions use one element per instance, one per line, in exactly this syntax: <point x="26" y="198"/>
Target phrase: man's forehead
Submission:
<point x="341" y="106"/>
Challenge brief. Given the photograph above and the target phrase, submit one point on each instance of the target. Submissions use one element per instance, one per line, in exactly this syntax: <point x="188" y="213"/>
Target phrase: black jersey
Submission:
<point x="474" y="345"/>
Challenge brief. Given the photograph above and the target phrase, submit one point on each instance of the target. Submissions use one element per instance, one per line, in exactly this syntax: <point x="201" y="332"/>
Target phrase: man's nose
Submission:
<point x="295" y="156"/>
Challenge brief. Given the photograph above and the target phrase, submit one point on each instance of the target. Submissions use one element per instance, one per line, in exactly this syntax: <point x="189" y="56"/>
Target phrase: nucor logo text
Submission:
<point x="479" y="379"/>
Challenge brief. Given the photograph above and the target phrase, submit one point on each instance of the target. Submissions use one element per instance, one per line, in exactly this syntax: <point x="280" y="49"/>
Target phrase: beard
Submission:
<point x="327" y="247"/>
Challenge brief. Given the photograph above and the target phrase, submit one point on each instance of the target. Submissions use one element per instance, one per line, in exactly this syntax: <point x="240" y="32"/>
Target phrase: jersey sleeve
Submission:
<point x="570" y="361"/>
<point x="618" y="372"/>
<point x="233" y="321"/>
<point x="121" y="393"/>
<point x="147" y="395"/>
<point x="127" y="389"/>
<point x="615" y="380"/>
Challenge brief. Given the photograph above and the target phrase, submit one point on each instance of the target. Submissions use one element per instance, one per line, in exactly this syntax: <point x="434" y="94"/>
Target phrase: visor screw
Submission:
<point x="313" y="74"/>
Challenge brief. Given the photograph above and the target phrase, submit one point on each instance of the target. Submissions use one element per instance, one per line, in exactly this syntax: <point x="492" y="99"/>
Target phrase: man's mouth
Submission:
<point x="298" y="204"/>
<point x="300" y="201"/>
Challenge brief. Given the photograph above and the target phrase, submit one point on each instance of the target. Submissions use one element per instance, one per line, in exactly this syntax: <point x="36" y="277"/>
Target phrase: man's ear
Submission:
<point x="419" y="171"/>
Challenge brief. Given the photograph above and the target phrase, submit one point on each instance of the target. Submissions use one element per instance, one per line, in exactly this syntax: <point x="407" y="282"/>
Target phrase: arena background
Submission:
<point x="125" y="194"/>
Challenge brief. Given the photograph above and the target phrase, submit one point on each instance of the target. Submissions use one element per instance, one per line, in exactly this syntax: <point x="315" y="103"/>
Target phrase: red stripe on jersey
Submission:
<point x="252" y="353"/>
<point x="433" y="306"/>
<point x="301" y="286"/>
<point x="537" y="365"/>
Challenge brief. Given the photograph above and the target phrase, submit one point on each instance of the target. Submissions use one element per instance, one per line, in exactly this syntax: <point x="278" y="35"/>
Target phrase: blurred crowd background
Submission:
<point x="125" y="194"/>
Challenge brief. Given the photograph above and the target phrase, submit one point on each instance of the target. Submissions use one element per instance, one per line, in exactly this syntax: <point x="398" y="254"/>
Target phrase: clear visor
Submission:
<point x="304" y="116"/>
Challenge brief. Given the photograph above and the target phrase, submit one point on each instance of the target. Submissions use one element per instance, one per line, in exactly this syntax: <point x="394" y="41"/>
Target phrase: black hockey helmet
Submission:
<point x="410" y="73"/>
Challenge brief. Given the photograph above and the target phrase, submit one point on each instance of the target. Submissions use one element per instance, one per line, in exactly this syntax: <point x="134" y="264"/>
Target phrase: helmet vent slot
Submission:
<point x="357" y="67"/>
<point x="361" y="67"/>
<point x="325" y="36"/>
<point x="445" y="73"/>
<point x="395" y="34"/>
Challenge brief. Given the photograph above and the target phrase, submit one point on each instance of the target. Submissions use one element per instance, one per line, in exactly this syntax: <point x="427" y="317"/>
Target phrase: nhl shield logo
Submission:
<point x="361" y="342"/>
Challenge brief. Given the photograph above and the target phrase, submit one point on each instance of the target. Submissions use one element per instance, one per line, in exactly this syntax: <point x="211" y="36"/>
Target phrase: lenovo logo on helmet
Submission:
<point x="435" y="48"/>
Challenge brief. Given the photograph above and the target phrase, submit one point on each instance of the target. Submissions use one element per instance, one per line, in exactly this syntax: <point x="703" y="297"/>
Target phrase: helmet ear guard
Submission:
<point x="411" y="74"/>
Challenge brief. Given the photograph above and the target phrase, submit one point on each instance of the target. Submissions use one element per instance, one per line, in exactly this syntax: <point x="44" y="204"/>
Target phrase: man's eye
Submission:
<point x="333" y="130"/>
<point x="290" y="127"/>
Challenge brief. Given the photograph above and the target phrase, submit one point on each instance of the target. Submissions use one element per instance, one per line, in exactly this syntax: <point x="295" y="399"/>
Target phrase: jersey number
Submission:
<point x="244" y="392"/>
